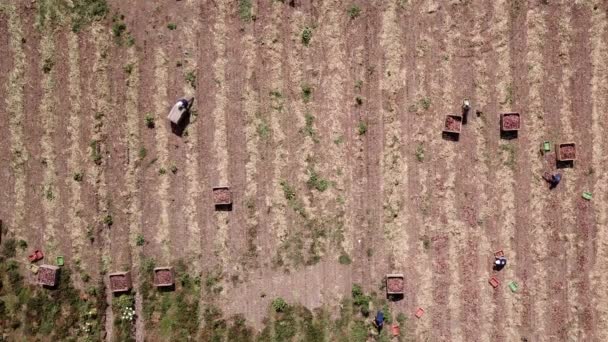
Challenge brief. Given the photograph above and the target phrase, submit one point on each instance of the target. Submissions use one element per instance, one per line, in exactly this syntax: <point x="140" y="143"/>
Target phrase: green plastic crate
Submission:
<point x="547" y="146"/>
<point x="513" y="286"/>
<point x="59" y="261"/>
<point x="587" y="195"/>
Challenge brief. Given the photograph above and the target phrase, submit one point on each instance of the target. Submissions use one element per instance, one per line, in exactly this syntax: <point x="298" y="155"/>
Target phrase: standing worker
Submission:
<point x="555" y="179"/>
<point x="379" y="320"/>
<point x="500" y="263"/>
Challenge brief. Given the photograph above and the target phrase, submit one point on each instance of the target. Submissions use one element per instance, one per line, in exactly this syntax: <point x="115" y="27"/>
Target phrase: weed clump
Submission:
<point x="279" y="304"/>
<point x="362" y="128"/>
<point x="306" y="36"/>
<point x="306" y="93"/>
<point x="354" y="11"/>
<point x="171" y="26"/>
<point x="149" y="119"/>
<point x="344" y="259"/>
<point x="191" y="79"/>
<point x="315" y="181"/>
<point x="245" y="10"/>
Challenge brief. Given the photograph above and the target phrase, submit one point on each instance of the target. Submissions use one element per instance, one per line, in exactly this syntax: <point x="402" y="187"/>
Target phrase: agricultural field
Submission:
<point x="324" y="118"/>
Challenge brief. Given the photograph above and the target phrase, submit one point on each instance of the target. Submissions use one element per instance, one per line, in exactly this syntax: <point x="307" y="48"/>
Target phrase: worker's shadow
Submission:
<point x="395" y="297"/>
<point x="498" y="267"/>
<point x="508" y="135"/>
<point x="179" y="128"/>
<point x="223" y="207"/>
<point x="449" y="136"/>
<point x="567" y="164"/>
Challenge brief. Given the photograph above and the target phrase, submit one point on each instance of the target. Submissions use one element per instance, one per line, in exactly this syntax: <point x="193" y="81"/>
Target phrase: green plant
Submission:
<point x="509" y="95"/>
<point x="139" y="240"/>
<point x="130" y="40"/>
<point x="359" y="85"/>
<point x="360" y="299"/>
<point x="48" y="192"/>
<point x="118" y="28"/>
<point x="279" y="304"/>
<point x="288" y="191"/>
<point x="308" y="127"/>
<point x="420" y="153"/>
<point x="354" y="11"/>
<point x="306" y="93"/>
<point x="362" y="128"/>
<point x="78" y="176"/>
<point x="191" y="79"/>
<point x="147" y="265"/>
<point x="162" y="171"/>
<point x="276" y="94"/>
<point x="426" y="242"/>
<point x="107" y="220"/>
<point x="171" y="26"/>
<point x="306" y="35"/>
<point x="128" y="68"/>
<point x="22" y="244"/>
<point x="425" y="103"/>
<point x="344" y="259"/>
<point x="173" y="169"/>
<point x="95" y="152"/>
<point x="149" y="119"/>
<point x="509" y="149"/>
<point x="245" y="10"/>
<point x="47" y="66"/>
<point x="359" y="100"/>
<point x="315" y="181"/>
<point x="142" y="152"/>
<point x="263" y="129"/>
<point x="86" y="11"/>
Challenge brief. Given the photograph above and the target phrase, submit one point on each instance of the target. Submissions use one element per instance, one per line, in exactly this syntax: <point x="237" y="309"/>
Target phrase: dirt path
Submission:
<point x="394" y="164"/>
<point x="599" y="89"/>
<point x="582" y="232"/>
<point x="6" y="176"/>
<point x="534" y="125"/>
<point x="15" y="108"/>
<point x="132" y="176"/>
<point x="192" y="173"/>
<point x="161" y="103"/>
<point x="508" y="152"/>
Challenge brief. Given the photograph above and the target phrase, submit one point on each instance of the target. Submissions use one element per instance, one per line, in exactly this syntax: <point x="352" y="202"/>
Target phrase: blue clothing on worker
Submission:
<point x="555" y="179"/>
<point x="379" y="319"/>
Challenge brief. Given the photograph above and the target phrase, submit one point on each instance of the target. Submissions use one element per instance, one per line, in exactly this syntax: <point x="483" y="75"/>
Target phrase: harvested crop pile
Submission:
<point x="163" y="277"/>
<point x="119" y="282"/>
<point x="452" y="123"/>
<point x="395" y="284"/>
<point x="221" y="196"/>
<point x="567" y="151"/>
<point x="46" y="276"/>
<point x="510" y="121"/>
